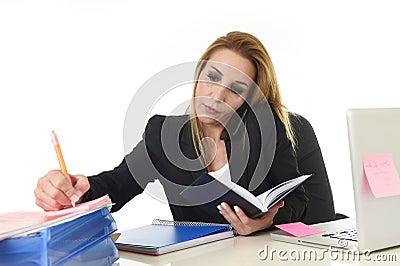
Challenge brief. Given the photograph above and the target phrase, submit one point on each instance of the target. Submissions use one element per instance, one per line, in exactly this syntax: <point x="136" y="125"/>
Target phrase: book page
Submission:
<point x="244" y="193"/>
<point x="272" y="196"/>
<point x="262" y="198"/>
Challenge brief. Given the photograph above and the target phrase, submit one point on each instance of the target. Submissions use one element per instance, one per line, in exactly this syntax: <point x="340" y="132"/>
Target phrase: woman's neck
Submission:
<point x="212" y="131"/>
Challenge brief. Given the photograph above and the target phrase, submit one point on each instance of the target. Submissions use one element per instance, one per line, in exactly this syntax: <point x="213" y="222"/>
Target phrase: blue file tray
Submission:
<point x="103" y="253"/>
<point x="83" y="239"/>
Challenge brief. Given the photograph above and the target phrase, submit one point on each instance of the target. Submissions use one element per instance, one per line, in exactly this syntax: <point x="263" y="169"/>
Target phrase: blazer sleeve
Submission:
<point x="128" y="179"/>
<point x="283" y="168"/>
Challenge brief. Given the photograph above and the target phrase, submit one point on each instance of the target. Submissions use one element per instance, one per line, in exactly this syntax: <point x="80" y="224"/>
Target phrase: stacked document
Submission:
<point x="73" y="236"/>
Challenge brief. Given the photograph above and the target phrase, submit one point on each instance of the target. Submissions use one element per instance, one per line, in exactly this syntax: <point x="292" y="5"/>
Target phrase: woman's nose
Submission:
<point x="219" y="92"/>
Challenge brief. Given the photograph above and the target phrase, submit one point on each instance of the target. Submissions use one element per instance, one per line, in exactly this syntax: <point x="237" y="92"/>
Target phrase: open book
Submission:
<point x="166" y="236"/>
<point x="208" y="192"/>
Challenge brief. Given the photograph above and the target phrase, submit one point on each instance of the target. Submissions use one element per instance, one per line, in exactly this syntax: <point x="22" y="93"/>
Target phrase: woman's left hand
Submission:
<point x="245" y="225"/>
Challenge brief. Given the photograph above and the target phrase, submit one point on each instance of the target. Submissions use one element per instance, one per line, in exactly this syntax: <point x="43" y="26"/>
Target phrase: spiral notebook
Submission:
<point x="166" y="236"/>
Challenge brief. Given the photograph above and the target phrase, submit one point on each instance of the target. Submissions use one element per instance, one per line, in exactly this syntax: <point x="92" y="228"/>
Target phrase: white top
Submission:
<point x="223" y="175"/>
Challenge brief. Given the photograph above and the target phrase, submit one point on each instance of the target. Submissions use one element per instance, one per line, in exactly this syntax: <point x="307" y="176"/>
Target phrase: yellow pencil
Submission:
<point x="60" y="158"/>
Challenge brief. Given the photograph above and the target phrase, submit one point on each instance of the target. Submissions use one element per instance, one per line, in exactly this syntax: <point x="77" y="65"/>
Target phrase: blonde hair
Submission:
<point x="249" y="47"/>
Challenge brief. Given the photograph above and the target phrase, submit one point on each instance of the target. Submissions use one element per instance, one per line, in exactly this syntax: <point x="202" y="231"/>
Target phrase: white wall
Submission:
<point x="73" y="66"/>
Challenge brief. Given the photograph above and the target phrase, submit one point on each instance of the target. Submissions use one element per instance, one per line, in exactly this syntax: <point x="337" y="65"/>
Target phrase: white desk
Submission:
<point x="243" y="250"/>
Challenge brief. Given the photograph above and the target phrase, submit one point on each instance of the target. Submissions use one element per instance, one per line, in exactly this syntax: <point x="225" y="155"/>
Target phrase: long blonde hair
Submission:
<point x="249" y="47"/>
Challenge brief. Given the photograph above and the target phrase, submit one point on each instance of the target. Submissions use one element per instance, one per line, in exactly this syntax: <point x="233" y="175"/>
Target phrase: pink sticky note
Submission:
<point x="298" y="229"/>
<point x="382" y="175"/>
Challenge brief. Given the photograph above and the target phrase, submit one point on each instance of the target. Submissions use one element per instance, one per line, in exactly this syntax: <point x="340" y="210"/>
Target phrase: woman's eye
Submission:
<point x="213" y="77"/>
<point x="236" y="89"/>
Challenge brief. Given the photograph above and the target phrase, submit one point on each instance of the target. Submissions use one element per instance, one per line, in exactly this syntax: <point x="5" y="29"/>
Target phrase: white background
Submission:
<point x="74" y="66"/>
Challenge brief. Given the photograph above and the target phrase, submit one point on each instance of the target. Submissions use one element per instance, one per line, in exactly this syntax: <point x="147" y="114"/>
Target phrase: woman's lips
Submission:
<point x="210" y="110"/>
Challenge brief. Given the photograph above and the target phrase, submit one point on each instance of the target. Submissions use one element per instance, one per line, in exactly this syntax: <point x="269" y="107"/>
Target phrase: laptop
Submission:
<point x="376" y="226"/>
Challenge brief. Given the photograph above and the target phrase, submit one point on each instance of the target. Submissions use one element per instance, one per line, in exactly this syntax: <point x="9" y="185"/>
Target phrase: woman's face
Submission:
<point x="223" y="86"/>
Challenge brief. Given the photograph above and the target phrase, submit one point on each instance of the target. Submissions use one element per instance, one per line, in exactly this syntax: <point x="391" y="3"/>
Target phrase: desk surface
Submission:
<point x="259" y="249"/>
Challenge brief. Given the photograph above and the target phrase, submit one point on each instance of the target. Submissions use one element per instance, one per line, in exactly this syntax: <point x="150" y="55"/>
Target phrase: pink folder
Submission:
<point x="14" y="224"/>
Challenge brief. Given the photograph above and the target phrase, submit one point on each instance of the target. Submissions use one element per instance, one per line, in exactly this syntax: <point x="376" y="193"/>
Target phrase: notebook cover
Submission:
<point x="151" y="238"/>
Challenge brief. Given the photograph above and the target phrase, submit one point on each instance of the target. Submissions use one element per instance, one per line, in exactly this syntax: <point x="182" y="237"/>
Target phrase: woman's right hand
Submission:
<point x="54" y="192"/>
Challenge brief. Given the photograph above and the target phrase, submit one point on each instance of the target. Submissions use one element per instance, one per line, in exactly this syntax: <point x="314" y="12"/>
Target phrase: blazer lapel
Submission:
<point x="187" y="148"/>
<point x="237" y="163"/>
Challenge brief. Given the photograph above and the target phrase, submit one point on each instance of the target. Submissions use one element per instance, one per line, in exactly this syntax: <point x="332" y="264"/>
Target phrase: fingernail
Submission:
<point x="219" y="207"/>
<point x="236" y="208"/>
<point x="224" y="205"/>
<point x="74" y="198"/>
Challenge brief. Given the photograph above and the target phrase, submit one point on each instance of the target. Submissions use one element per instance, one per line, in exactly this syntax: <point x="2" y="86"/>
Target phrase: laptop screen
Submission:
<point x="374" y="142"/>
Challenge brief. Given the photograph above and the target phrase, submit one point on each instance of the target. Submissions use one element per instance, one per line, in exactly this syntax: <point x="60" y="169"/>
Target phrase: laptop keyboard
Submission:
<point x="348" y="234"/>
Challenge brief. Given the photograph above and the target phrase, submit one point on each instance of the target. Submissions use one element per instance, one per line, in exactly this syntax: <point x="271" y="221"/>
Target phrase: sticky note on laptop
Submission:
<point x="381" y="174"/>
<point x="298" y="229"/>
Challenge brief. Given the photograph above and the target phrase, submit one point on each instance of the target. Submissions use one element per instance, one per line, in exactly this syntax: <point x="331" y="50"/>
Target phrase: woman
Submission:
<point x="224" y="133"/>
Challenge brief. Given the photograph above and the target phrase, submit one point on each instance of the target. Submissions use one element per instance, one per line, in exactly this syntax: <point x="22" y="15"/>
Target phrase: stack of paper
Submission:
<point x="73" y="236"/>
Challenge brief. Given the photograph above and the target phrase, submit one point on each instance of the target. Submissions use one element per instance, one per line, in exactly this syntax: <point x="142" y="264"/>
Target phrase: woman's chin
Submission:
<point x="208" y="120"/>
